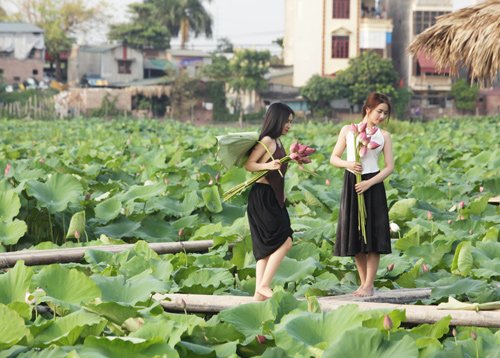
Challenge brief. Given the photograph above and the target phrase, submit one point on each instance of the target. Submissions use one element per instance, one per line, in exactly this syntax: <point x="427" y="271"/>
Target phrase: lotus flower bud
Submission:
<point x="362" y="151"/>
<point x="294" y="147"/>
<point x="294" y="156"/>
<point x="390" y="267"/>
<point x="473" y="335"/>
<point x="42" y="160"/>
<point x="210" y="182"/>
<point x="394" y="227"/>
<point x="371" y="131"/>
<point x="302" y="148"/>
<point x="217" y="177"/>
<point x="181" y="232"/>
<point x="362" y="127"/>
<point x="87" y="197"/>
<point x="77" y="235"/>
<point x="461" y="205"/>
<point x="261" y="339"/>
<point x="309" y="151"/>
<point x="327" y="182"/>
<point x="461" y="217"/>
<point x="450" y="221"/>
<point x="454" y="332"/>
<point x="305" y="160"/>
<point x="353" y="128"/>
<point x="481" y="189"/>
<point x="373" y="145"/>
<point x="7" y="169"/>
<point x="165" y="181"/>
<point x="429" y="215"/>
<point x="425" y="268"/>
<point x="363" y="138"/>
<point x="387" y="322"/>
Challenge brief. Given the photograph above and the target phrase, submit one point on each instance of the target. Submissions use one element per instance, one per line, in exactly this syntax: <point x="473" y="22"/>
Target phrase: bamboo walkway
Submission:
<point x="76" y="254"/>
<point x="415" y="314"/>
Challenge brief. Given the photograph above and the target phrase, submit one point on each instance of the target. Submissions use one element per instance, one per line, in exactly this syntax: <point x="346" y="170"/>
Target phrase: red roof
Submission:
<point x="427" y="64"/>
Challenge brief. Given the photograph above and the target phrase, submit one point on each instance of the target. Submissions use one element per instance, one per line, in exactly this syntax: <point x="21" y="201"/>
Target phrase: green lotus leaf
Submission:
<point x="9" y="205"/>
<point x="57" y="192"/>
<point x="463" y="259"/>
<point x="112" y="311"/>
<point x="161" y="327"/>
<point x="455" y="286"/>
<point x="77" y="223"/>
<point x="123" y="227"/>
<point x="142" y="192"/>
<point x="370" y="342"/>
<point x="119" y="289"/>
<point x="207" y="231"/>
<point x="12" y="328"/>
<point x="15" y="283"/>
<point x="155" y="229"/>
<point x="188" y="349"/>
<point x="119" y="347"/>
<point x="108" y="209"/>
<point x="249" y="319"/>
<point x="68" y="329"/>
<point x="206" y="280"/>
<point x="309" y="334"/>
<point x="402" y="210"/>
<point x="211" y="197"/>
<point x="11" y="232"/>
<point x="67" y="287"/>
<point x="292" y="270"/>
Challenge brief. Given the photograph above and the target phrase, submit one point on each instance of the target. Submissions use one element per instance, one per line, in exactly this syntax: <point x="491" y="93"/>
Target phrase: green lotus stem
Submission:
<point x="240" y="188"/>
<point x="361" y="202"/>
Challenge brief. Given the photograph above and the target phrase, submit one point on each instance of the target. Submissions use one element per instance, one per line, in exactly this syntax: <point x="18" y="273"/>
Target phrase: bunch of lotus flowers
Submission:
<point x="298" y="152"/>
<point x="362" y="142"/>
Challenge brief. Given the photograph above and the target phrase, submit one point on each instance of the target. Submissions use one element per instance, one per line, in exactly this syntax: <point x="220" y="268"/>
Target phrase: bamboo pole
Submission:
<point x="76" y="254"/>
<point x="414" y="313"/>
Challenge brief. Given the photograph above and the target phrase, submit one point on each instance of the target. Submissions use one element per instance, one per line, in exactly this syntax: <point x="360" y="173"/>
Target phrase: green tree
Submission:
<point x="465" y="95"/>
<point x="224" y="45"/>
<point x="145" y="31"/>
<point x="59" y="19"/>
<point x="318" y="92"/>
<point x="183" y="17"/>
<point x="3" y="14"/>
<point x="366" y="73"/>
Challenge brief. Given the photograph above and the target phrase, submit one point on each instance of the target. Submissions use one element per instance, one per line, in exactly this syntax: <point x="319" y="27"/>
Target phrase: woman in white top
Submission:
<point x="349" y="241"/>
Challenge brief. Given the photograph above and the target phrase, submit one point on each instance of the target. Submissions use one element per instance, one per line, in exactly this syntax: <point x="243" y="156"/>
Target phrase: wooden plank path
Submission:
<point x="416" y="314"/>
<point x="76" y="254"/>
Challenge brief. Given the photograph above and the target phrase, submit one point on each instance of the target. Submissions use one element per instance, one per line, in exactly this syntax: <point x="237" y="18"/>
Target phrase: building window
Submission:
<point x="425" y="19"/>
<point x="124" y="66"/>
<point x="34" y="72"/>
<point x="17" y="78"/>
<point x="340" y="46"/>
<point x="6" y="54"/>
<point x="341" y="9"/>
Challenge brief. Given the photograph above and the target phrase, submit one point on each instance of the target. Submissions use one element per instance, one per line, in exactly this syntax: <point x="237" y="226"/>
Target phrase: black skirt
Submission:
<point x="349" y="240"/>
<point x="269" y="222"/>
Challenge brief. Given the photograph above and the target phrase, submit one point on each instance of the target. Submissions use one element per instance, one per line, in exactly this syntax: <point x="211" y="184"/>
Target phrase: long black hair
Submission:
<point x="276" y="116"/>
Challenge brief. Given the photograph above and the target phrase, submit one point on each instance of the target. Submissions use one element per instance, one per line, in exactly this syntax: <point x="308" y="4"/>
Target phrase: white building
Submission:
<point x="322" y="35"/>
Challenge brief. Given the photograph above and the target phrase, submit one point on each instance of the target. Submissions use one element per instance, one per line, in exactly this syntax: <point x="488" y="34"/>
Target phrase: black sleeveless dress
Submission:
<point x="267" y="215"/>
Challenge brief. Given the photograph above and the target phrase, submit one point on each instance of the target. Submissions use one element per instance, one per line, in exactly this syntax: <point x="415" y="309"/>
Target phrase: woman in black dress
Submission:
<point x="349" y="241"/>
<point x="267" y="214"/>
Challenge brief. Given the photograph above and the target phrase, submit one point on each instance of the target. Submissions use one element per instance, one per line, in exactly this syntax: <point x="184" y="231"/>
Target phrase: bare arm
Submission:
<point x="338" y="150"/>
<point x="385" y="172"/>
<point x="257" y="160"/>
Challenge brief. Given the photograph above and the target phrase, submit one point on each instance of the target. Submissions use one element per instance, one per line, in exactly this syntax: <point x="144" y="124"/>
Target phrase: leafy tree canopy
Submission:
<point x="465" y="95"/>
<point x="145" y="31"/>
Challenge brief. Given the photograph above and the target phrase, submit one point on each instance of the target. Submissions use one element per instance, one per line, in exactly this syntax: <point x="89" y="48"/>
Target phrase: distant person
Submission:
<point x="349" y="241"/>
<point x="267" y="215"/>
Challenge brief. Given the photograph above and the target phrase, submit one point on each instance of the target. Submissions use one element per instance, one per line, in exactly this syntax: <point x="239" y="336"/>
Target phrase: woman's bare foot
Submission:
<point x="355" y="293"/>
<point x="266" y="292"/>
<point x="365" y="292"/>
<point x="258" y="297"/>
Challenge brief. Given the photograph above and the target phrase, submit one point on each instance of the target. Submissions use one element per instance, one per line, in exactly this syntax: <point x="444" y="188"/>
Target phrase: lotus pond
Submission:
<point x="94" y="182"/>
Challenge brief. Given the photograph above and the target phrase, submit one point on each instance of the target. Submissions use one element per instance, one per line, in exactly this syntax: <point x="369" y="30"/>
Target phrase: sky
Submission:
<point x="247" y="23"/>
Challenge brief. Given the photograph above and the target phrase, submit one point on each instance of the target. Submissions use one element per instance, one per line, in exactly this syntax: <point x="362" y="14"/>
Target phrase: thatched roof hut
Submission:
<point x="469" y="37"/>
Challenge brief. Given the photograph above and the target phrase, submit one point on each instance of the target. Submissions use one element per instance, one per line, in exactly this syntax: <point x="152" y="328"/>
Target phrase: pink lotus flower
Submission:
<point x="362" y="127"/>
<point x="354" y="128"/>
<point x="373" y="145"/>
<point x="425" y="268"/>
<point x="461" y="204"/>
<point x="294" y="148"/>
<point x="390" y="267"/>
<point x="429" y="215"/>
<point x="261" y="339"/>
<point x="302" y="148"/>
<point x="294" y="156"/>
<point x="327" y="182"/>
<point x="481" y="189"/>
<point x="7" y="169"/>
<point x="363" y="138"/>
<point x="77" y="235"/>
<point x="217" y="177"/>
<point x="210" y="182"/>
<point x="371" y="131"/>
<point x="362" y="151"/>
<point x="309" y="151"/>
<point x="305" y="160"/>
<point x="181" y="232"/>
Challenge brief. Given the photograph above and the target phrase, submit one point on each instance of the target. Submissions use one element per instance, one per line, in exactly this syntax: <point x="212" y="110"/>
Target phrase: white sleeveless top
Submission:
<point x="370" y="161"/>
